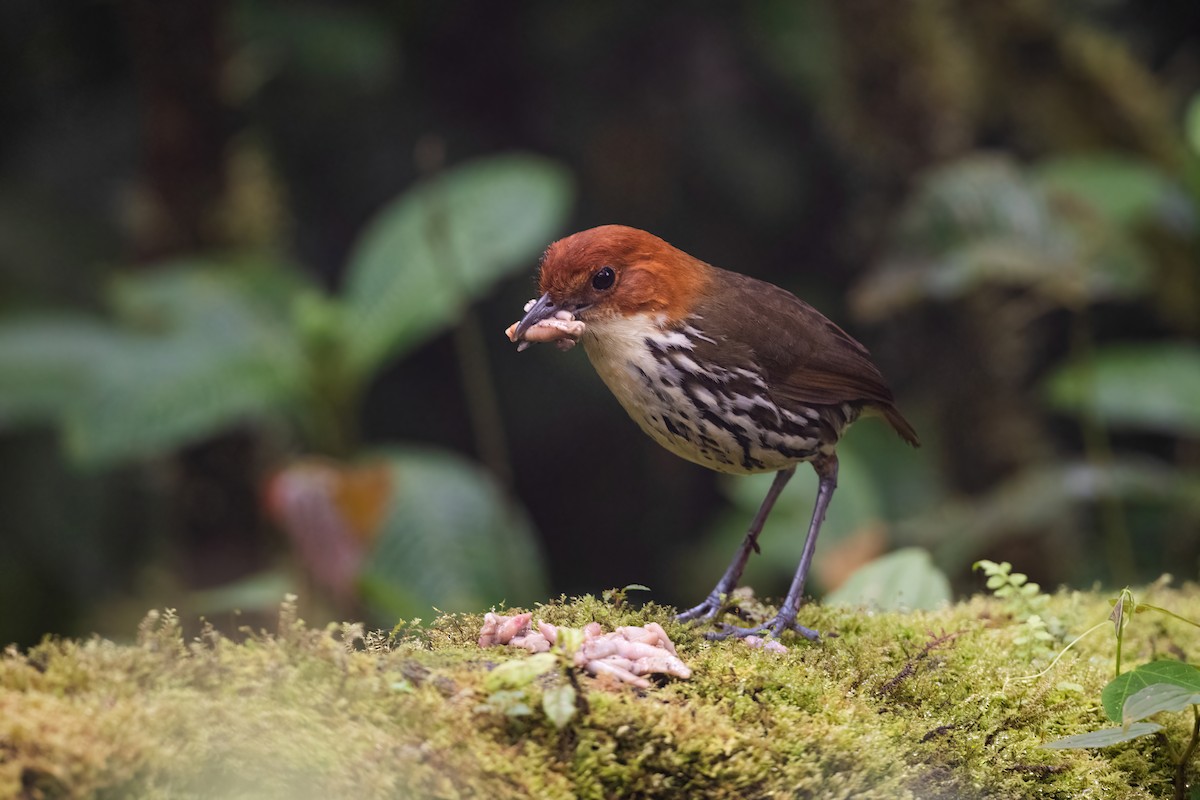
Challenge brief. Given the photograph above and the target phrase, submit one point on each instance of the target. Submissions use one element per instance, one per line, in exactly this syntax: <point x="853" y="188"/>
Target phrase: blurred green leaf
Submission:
<point x="979" y="198"/>
<point x="202" y="345"/>
<point x="215" y="349"/>
<point x="1103" y="738"/>
<point x="444" y="243"/>
<point x="1154" y="386"/>
<point x="1124" y="190"/>
<point x="559" y="704"/>
<point x="569" y="640"/>
<point x="450" y="539"/>
<point x="46" y="362"/>
<point x="984" y="220"/>
<point x="228" y="296"/>
<point x="1191" y="124"/>
<point x="321" y="42"/>
<point x="1126" y="685"/>
<point x="905" y="578"/>
<point x="1042" y="498"/>
<point x="260" y="591"/>
<point x="519" y="672"/>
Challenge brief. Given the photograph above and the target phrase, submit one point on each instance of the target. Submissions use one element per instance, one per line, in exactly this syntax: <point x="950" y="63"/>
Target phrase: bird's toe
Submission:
<point x="708" y="610"/>
<point x="774" y="626"/>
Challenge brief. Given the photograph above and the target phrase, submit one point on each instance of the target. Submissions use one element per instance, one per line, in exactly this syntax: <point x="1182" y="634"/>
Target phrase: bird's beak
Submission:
<point x="544" y="308"/>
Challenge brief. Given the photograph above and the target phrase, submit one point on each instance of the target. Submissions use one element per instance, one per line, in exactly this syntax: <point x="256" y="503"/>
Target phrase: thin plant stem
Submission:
<point x="1181" y="769"/>
<point x="1061" y="653"/>
<point x="483" y="406"/>
<point x="1118" y="547"/>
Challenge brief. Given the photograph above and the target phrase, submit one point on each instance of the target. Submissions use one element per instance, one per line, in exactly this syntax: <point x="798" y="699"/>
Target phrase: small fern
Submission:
<point x="1025" y="598"/>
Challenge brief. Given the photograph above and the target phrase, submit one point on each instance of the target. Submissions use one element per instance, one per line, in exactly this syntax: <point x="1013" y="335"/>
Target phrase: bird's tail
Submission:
<point x="899" y="423"/>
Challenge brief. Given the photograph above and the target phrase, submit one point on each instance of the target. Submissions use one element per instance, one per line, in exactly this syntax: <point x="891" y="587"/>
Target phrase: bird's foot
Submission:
<point x="708" y="610"/>
<point x="775" y="626"/>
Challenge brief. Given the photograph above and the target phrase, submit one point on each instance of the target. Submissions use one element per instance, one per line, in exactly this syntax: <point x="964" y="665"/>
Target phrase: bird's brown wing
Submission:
<point x="807" y="359"/>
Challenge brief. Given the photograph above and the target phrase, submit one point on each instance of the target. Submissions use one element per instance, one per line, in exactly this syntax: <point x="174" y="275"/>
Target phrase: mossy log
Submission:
<point x="887" y="705"/>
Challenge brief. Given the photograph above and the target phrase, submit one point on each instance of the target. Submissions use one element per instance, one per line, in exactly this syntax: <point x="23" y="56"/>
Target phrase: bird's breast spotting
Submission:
<point x="721" y="417"/>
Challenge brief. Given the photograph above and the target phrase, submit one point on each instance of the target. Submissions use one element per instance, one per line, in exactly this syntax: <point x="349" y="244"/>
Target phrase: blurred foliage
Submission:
<point x="450" y="539"/>
<point x="458" y="235"/>
<point x="1002" y="196"/>
<point x="201" y="345"/>
<point x="1154" y="387"/>
<point x="1063" y="230"/>
<point x="1062" y="236"/>
<point x="193" y="348"/>
<point x="903" y="579"/>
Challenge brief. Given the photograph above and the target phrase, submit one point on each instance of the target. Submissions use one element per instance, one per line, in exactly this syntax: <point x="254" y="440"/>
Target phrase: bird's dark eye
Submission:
<point x="603" y="278"/>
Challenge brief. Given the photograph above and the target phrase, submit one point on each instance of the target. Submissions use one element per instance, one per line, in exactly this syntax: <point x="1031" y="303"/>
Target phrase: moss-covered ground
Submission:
<point x="923" y="705"/>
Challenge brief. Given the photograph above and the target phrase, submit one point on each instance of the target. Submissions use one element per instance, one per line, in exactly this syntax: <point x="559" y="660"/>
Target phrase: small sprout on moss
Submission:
<point x="1034" y="632"/>
<point x="1005" y="583"/>
<point x="1143" y="692"/>
<point x="569" y="640"/>
<point x="617" y="596"/>
<point x="1026" y="600"/>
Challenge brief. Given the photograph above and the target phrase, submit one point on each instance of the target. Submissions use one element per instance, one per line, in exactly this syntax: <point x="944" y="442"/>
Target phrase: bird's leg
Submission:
<point x="716" y="598"/>
<point x="827" y="469"/>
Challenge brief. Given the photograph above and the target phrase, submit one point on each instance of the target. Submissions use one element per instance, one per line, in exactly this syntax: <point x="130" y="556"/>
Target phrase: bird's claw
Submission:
<point x="706" y="611"/>
<point x="774" y="626"/>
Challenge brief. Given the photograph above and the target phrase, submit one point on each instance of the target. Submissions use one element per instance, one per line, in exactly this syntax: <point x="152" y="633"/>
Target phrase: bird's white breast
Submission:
<point x="688" y="407"/>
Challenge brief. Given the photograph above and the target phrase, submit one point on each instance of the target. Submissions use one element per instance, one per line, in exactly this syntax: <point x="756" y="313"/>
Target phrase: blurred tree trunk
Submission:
<point x="186" y="127"/>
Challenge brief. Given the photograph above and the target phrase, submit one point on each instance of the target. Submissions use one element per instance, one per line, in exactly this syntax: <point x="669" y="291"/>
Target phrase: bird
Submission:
<point x="724" y="370"/>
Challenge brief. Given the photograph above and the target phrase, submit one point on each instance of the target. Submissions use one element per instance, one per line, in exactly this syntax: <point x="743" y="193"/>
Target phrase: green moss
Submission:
<point x="930" y="704"/>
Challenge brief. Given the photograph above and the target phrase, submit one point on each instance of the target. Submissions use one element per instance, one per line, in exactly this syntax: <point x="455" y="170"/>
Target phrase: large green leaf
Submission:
<point x="1154" y="386"/>
<point x="1124" y="190"/>
<point x="234" y="297"/>
<point x="450" y="540"/>
<point x="1156" y="698"/>
<point x="153" y="396"/>
<point x="212" y="348"/>
<point x="46" y="362"/>
<point x="1103" y="738"/>
<point x="444" y="243"/>
<point x="1126" y="685"/>
<point x="984" y="221"/>
<point x="906" y="578"/>
<point x="1191" y="123"/>
<point x="979" y="198"/>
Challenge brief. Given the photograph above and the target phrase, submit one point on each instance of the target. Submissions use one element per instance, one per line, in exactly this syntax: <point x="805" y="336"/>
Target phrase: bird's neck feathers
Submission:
<point x="665" y="284"/>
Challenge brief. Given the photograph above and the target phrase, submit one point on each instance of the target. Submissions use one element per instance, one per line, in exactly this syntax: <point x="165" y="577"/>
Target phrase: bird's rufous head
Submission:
<point x="615" y="270"/>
